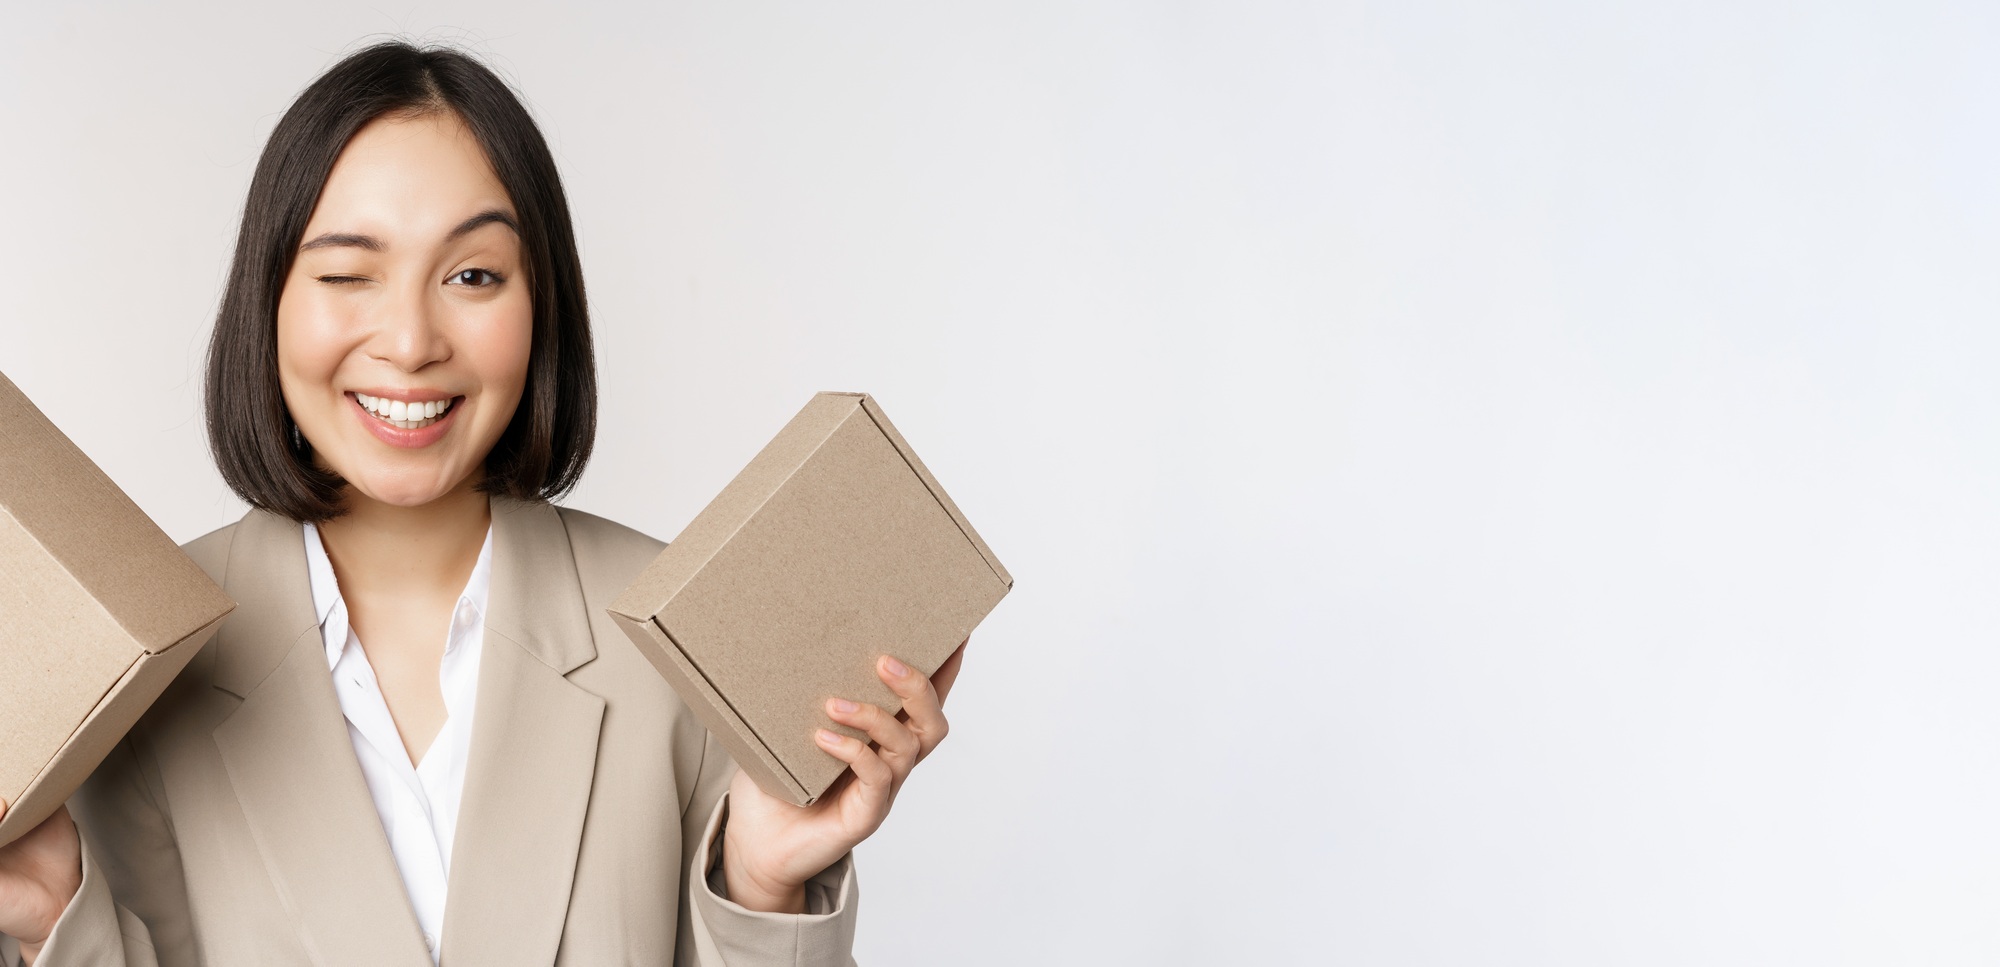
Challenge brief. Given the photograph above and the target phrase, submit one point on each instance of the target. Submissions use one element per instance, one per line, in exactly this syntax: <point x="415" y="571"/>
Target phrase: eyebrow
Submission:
<point x="373" y="244"/>
<point x="486" y="217"/>
<point x="339" y="239"/>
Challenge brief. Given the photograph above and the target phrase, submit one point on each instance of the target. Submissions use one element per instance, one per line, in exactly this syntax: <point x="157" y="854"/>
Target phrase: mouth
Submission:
<point x="407" y="424"/>
<point x="403" y="414"/>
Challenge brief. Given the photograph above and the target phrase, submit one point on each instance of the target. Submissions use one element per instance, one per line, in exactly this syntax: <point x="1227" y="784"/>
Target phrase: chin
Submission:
<point x="399" y="490"/>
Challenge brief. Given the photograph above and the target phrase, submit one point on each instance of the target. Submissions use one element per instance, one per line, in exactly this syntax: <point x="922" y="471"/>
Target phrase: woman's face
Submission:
<point x="405" y="324"/>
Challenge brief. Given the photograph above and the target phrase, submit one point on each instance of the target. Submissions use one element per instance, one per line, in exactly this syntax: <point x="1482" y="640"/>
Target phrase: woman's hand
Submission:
<point x="39" y="874"/>
<point x="770" y="848"/>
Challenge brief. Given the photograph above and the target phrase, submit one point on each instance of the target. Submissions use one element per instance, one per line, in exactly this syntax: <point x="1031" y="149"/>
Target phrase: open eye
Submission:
<point x="476" y="278"/>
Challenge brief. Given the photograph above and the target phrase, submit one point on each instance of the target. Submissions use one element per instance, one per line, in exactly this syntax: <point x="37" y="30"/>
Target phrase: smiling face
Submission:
<point x="405" y="323"/>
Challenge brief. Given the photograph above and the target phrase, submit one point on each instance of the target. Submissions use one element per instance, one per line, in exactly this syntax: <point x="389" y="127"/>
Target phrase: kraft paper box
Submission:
<point x="832" y="547"/>
<point x="98" y="611"/>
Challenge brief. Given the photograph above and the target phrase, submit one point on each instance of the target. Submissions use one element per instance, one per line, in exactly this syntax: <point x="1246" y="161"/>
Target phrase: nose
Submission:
<point x="408" y="333"/>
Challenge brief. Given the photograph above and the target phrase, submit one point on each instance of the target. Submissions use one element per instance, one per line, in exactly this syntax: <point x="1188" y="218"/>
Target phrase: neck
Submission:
<point x="399" y="551"/>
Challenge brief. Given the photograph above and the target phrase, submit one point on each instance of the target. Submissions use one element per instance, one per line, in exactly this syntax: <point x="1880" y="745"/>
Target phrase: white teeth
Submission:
<point x="407" y="415"/>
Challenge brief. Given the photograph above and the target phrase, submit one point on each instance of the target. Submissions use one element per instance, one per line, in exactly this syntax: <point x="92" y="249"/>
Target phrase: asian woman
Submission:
<point x="419" y="737"/>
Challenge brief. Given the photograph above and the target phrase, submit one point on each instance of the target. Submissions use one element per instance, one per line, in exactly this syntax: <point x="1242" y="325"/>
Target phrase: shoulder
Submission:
<point x="587" y="530"/>
<point x="602" y="542"/>
<point x="604" y="550"/>
<point x="210" y="551"/>
<point x="608" y="554"/>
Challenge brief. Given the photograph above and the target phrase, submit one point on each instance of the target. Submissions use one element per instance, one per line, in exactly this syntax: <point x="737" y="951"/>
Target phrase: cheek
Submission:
<point x="499" y="344"/>
<point x="311" y="344"/>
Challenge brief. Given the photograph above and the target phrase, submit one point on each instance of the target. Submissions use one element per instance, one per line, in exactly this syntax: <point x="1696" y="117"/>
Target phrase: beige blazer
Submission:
<point x="233" y="827"/>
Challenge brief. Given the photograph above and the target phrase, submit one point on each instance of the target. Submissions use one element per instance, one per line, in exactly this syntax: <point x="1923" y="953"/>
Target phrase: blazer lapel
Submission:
<point x="534" y="751"/>
<point x="292" y="765"/>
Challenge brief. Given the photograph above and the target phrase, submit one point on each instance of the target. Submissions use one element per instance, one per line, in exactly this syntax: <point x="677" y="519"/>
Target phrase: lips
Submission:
<point x="422" y="423"/>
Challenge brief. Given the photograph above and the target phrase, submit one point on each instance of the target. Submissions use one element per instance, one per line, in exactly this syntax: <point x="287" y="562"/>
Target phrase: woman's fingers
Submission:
<point x="39" y="874"/>
<point x="920" y="702"/>
<point x="897" y="745"/>
<point x="874" y="782"/>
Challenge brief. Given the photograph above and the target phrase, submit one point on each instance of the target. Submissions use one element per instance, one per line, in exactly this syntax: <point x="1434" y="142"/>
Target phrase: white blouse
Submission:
<point x="418" y="803"/>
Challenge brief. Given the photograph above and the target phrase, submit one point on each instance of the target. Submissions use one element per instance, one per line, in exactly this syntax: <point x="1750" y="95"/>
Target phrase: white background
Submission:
<point x="1489" y="483"/>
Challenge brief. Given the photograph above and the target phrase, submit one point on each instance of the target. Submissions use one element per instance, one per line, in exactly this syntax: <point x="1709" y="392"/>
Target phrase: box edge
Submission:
<point x="645" y="610"/>
<point x="712" y="710"/>
<point x="888" y="429"/>
<point x="11" y="827"/>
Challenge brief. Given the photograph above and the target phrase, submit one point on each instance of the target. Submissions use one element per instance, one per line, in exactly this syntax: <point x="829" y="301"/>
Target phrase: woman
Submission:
<point x="399" y="379"/>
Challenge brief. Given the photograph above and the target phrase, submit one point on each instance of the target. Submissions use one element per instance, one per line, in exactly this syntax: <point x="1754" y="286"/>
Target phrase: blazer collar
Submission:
<point x="534" y="751"/>
<point x="288" y="757"/>
<point x="527" y="785"/>
<point x="536" y="599"/>
<point x="266" y="574"/>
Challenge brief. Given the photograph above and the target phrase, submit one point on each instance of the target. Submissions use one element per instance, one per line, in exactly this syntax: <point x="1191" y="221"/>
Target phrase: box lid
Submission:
<point x="96" y="533"/>
<point x="761" y="479"/>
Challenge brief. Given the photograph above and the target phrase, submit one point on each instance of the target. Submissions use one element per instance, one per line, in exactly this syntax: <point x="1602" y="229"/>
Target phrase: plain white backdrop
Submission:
<point x="1488" y="483"/>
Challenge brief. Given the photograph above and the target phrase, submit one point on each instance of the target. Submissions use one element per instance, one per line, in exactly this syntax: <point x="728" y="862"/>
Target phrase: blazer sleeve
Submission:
<point x="714" y="931"/>
<point x="132" y="909"/>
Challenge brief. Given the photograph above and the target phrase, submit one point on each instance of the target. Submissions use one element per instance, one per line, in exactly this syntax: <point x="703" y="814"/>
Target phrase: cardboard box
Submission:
<point x="832" y="547"/>
<point x="98" y="611"/>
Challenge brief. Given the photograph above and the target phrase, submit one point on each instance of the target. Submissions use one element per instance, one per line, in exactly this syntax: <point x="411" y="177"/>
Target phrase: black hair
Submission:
<point x="256" y="444"/>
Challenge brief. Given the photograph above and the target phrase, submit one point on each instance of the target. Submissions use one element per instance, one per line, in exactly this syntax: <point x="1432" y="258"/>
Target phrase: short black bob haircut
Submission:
<point x="257" y="446"/>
